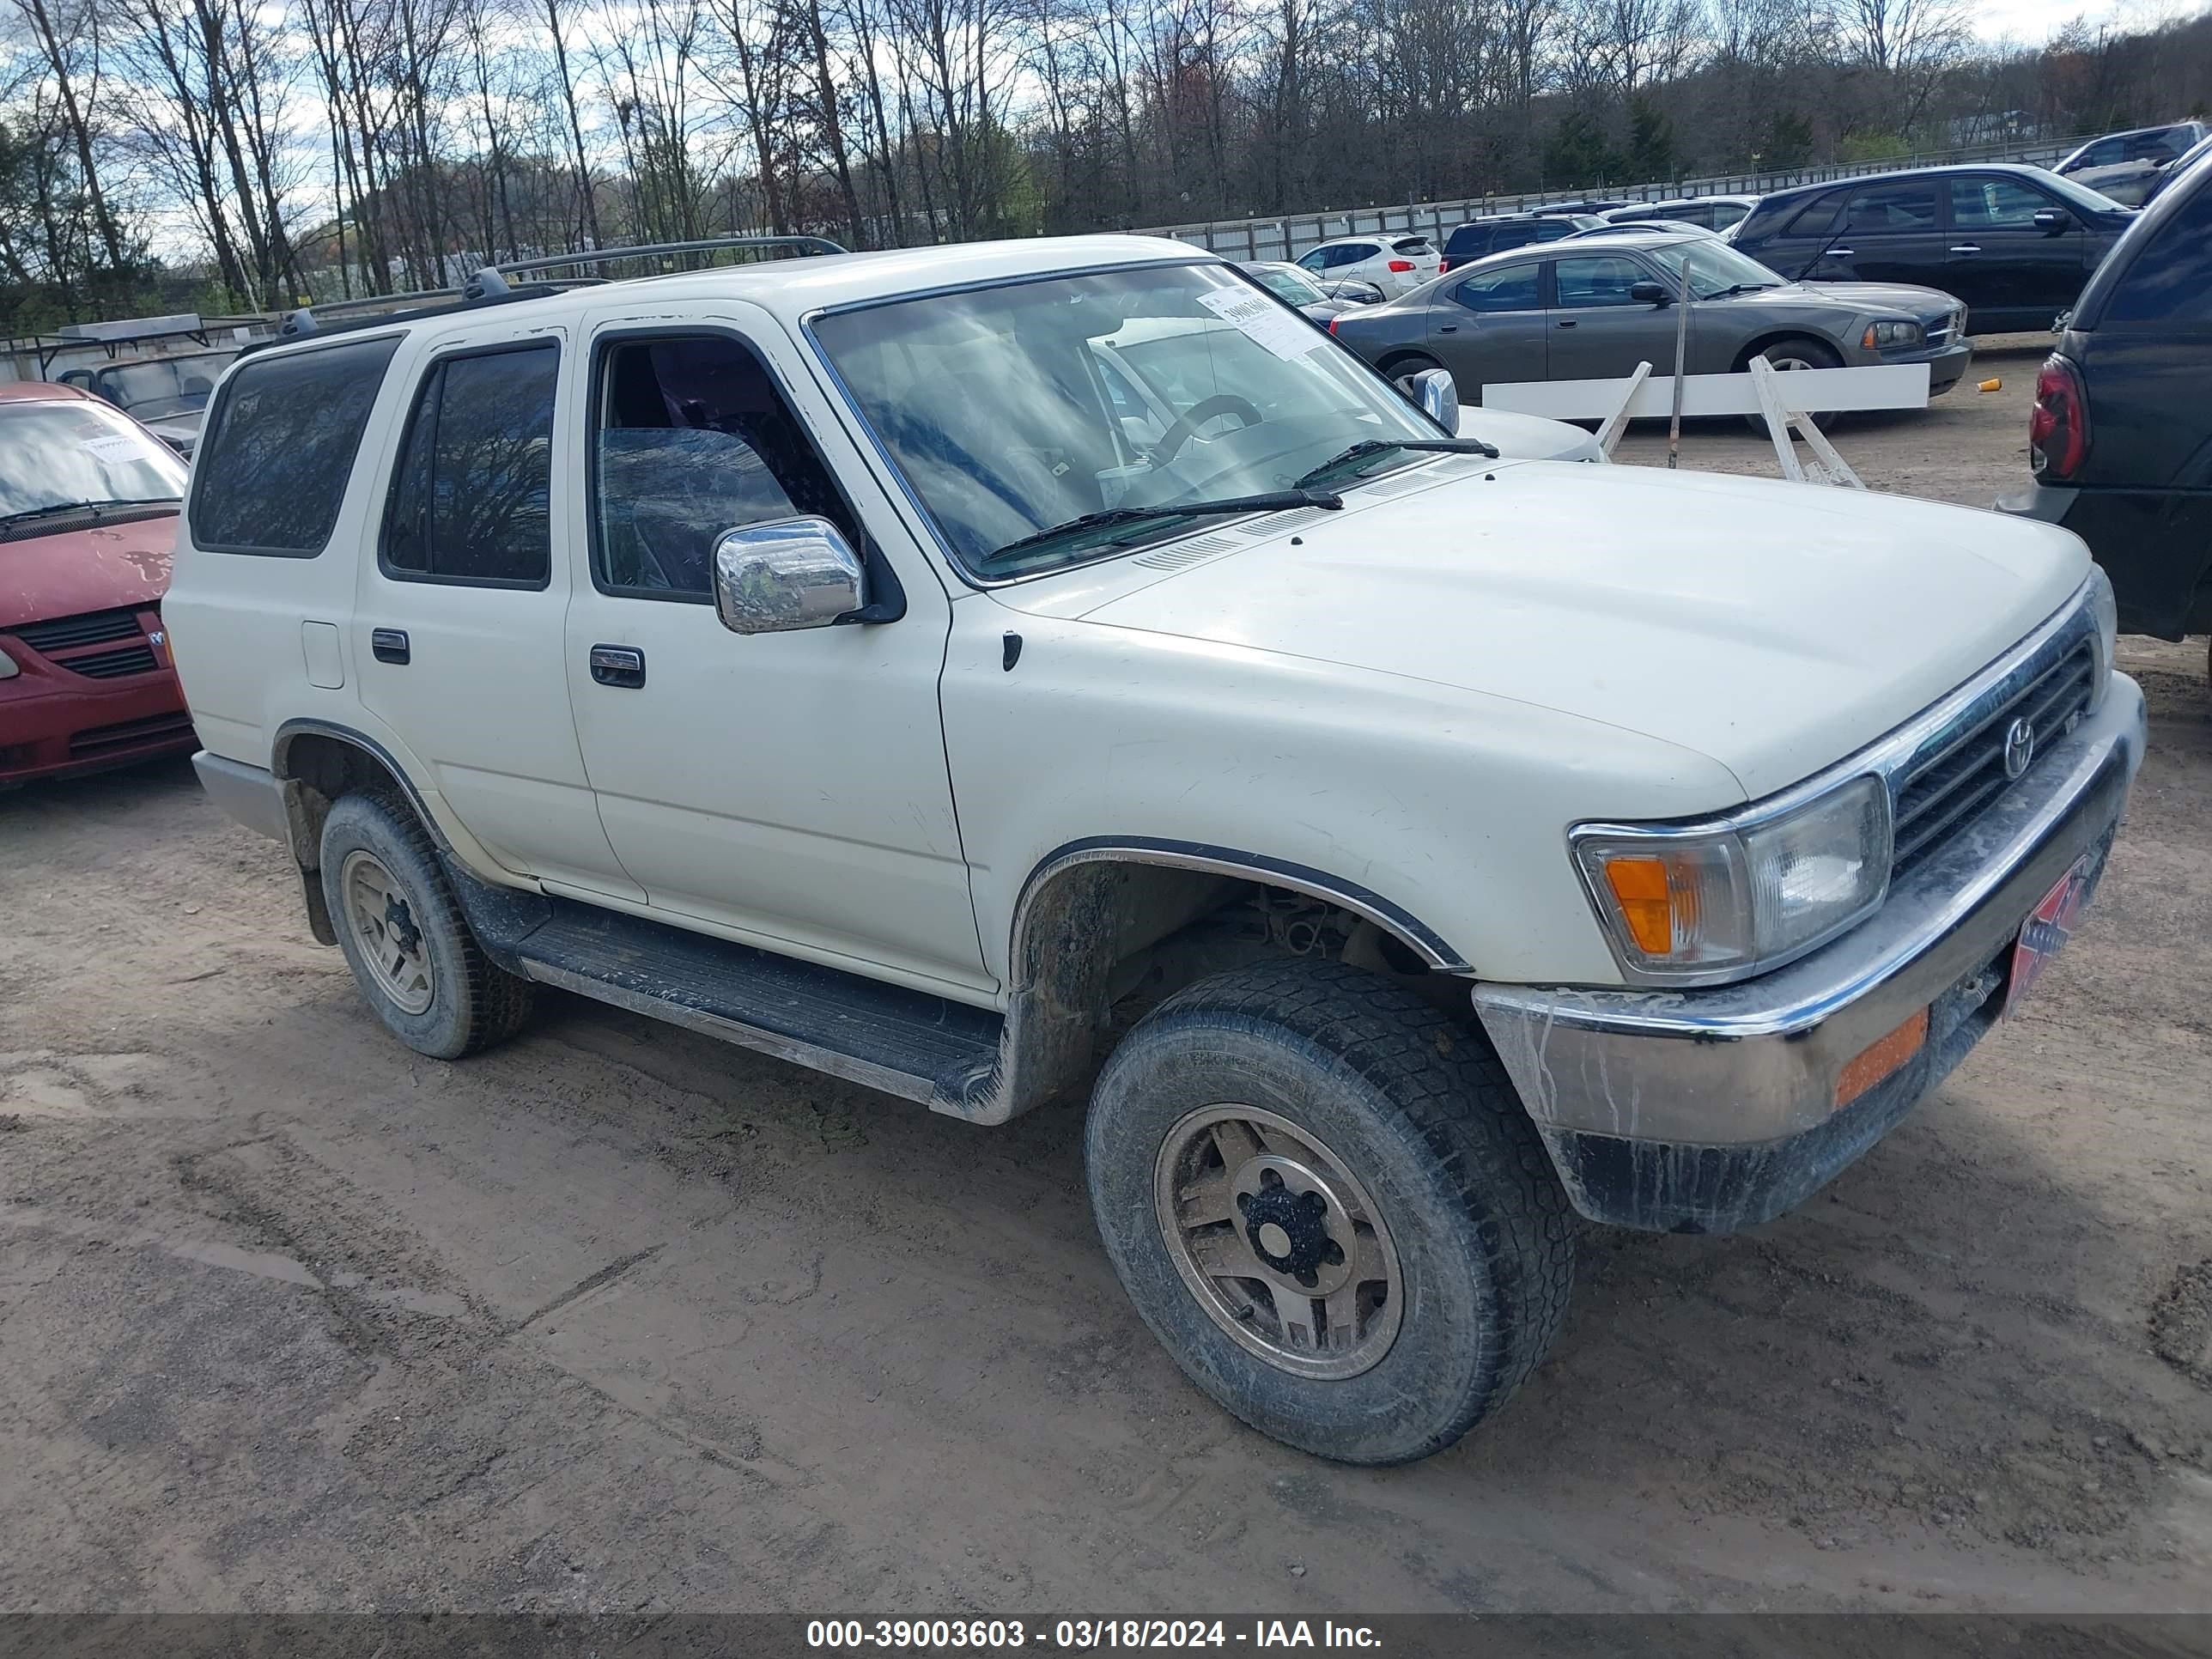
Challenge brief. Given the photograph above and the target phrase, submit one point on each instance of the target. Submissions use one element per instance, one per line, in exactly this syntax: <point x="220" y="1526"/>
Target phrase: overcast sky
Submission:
<point x="2032" y="21"/>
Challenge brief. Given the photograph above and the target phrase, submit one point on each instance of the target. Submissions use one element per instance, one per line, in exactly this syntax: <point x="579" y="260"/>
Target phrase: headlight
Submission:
<point x="2106" y="610"/>
<point x="1702" y="903"/>
<point x="8" y="669"/>
<point x="1886" y="337"/>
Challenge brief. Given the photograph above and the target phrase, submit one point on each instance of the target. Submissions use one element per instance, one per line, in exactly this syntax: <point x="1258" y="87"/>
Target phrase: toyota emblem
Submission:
<point x="2020" y="747"/>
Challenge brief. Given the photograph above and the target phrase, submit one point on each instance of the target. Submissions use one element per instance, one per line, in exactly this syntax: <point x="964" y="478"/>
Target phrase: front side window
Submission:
<point x="992" y="405"/>
<point x="1995" y="204"/>
<point x="471" y="492"/>
<point x="1584" y="283"/>
<point x="79" y="453"/>
<point x="280" y="448"/>
<point x="2105" y="153"/>
<point x="691" y="437"/>
<point x="1509" y="287"/>
<point x="1893" y="209"/>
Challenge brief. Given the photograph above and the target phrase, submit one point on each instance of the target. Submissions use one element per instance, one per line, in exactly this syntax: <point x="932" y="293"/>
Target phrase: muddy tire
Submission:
<point x="405" y="939"/>
<point x="1327" y="1204"/>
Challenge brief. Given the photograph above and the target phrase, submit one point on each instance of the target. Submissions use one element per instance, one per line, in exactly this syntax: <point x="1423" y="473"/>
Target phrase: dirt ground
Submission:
<point x="618" y="1318"/>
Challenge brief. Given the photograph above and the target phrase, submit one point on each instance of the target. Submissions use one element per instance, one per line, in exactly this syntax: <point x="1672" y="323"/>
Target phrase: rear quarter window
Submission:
<point x="280" y="446"/>
<point x="2168" y="283"/>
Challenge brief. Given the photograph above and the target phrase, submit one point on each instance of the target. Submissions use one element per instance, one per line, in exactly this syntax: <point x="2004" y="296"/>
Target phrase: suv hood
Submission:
<point x="1772" y="627"/>
<point x="72" y="571"/>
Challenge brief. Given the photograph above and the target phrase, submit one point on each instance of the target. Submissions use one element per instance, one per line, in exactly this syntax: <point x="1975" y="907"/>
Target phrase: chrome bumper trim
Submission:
<point x="1758" y="1060"/>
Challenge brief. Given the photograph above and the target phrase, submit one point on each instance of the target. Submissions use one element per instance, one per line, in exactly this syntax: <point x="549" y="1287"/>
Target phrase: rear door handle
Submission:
<point x="1446" y="328"/>
<point x="1565" y="322"/>
<point x="1966" y="247"/>
<point x="1843" y="253"/>
<point x="619" y="665"/>
<point x="389" y="645"/>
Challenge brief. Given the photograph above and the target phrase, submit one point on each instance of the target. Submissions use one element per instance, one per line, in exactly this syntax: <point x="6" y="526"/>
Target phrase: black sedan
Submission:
<point x="1591" y="310"/>
<point x="2015" y="243"/>
<point x="2120" y="440"/>
<point x="1292" y="285"/>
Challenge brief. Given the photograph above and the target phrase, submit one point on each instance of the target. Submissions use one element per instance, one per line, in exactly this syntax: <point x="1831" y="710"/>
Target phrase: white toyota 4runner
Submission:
<point x="945" y="668"/>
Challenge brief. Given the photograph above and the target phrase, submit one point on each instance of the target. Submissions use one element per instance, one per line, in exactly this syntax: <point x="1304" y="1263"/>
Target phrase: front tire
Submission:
<point x="1326" y="1202"/>
<point x="1788" y="356"/>
<point x="405" y="939"/>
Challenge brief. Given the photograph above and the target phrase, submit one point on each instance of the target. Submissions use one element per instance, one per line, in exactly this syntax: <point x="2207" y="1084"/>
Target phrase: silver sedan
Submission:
<point x="1592" y="310"/>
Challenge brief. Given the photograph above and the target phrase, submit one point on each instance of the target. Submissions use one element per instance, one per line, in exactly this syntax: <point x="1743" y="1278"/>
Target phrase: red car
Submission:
<point x="88" y="501"/>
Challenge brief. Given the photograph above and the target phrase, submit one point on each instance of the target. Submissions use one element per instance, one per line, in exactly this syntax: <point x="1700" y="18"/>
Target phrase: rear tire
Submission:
<point x="1310" y="1144"/>
<point x="1789" y="357"/>
<point x="404" y="936"/>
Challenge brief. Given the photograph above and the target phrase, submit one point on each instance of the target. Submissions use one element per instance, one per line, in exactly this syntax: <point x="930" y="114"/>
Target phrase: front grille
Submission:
<point x="65" y="633"/>
<point x="112" y="664"/>
<point x="1944" y="791"/>
<point x="131" y="734"/>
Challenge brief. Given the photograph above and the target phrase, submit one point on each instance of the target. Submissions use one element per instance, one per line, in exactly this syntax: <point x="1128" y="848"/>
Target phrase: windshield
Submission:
<point x="160" y="386"/>
<point x="1289" y="284"/>
<point x="1015" y="409"/>
<point x="60" y="455"/>
<point x="2088" y="200"/>
<point x="1715" y="267"/>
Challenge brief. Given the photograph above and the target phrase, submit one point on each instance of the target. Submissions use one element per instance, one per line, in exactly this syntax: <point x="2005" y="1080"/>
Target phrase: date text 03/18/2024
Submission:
<point x="855" y="1635"/>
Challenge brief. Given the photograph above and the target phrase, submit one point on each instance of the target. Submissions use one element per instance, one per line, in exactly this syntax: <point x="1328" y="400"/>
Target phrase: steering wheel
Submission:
<point x="1221" y="403"/>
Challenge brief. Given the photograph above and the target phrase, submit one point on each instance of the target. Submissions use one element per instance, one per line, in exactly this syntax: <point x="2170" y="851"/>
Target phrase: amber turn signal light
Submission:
<point x="1882" y="1059"/>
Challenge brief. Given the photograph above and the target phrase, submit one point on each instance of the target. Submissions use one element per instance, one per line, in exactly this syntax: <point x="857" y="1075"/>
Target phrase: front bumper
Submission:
<point x="1946" y="364"/>
<point x="55" y="724"/>
<point x="1712" y="1110"/>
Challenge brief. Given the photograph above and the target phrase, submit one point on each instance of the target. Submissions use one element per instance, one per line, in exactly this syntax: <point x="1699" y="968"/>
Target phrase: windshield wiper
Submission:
<point x="1367" y="446"/>
<point x="1274" y="501"/>
<point x="86" y="507"/>
<point x="1740" y="288"/>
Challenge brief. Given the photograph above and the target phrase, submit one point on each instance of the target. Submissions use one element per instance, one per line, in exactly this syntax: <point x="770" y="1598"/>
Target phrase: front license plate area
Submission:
<point x="2048" y="928"/>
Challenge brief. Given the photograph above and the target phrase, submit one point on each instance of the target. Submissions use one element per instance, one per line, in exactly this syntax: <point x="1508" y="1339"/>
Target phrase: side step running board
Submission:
<point x="883" y="1036"/>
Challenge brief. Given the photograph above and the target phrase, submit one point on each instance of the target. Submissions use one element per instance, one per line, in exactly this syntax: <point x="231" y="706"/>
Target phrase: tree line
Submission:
<point x="254" y="153"/>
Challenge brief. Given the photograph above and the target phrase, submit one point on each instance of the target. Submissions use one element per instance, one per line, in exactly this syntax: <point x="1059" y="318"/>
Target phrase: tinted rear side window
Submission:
<point x="280" y="448"/>
<point x="2169" y="282"/>
<point x="471" y="493"/>
<point x="1469" y="242"/>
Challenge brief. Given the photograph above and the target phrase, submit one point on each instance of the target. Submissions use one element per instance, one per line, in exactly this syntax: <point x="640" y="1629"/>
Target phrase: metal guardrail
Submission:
<point x="1286" y="236"/>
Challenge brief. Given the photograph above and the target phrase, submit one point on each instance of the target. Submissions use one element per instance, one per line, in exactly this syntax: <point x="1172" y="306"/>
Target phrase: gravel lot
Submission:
<point x="621" y="1319"/>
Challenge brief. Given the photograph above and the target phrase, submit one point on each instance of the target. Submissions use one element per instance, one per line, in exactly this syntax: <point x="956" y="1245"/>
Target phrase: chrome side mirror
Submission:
<point x="786" y="574"/>
<point x="1438" y="394"/>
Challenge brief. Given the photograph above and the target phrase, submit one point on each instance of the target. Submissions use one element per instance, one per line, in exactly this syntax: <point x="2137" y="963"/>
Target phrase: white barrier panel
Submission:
<point x="1885" y="386"/>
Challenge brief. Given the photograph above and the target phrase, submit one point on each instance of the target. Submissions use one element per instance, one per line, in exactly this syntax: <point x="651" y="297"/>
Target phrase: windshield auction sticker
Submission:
<point x="1285" y="333"/>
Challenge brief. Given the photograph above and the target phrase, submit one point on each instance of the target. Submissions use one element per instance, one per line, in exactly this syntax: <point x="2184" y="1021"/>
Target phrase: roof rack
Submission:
<point x="490" y="286"/>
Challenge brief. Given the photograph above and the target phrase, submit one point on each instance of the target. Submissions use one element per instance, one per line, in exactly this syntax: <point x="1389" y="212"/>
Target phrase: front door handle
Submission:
<point x="1566" y="322"/>
<point x="620" y="666"/>
<point x="1843" y="253"/>
<point x="1966" y="247"/>
<point x="1446" y="328"/>
<point x="389" y="645"/>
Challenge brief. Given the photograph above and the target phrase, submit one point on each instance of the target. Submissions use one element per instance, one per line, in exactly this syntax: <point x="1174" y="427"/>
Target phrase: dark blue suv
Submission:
<point x="2120" y="440"/>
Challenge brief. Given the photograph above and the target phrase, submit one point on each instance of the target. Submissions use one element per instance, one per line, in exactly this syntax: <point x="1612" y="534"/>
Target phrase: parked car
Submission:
<point x="1291" y="284"/>
<point x="1478" y="238"/>
<point x="2172" y="170"/>
<point x="2120" y="440"/>
<point x="1351" y="292"/>
<point x="1631" y="226"/>
<point x="1592" y="310"/>
<point x="1393" y="264"/>
<point x="2126" y="166"/>
<point x="166" y="395"/>
<point x="1296" y="787"/>
<point x="2015" y="243"/>
<point x="1713" y="212"/>
<point x="88" y="515"/>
